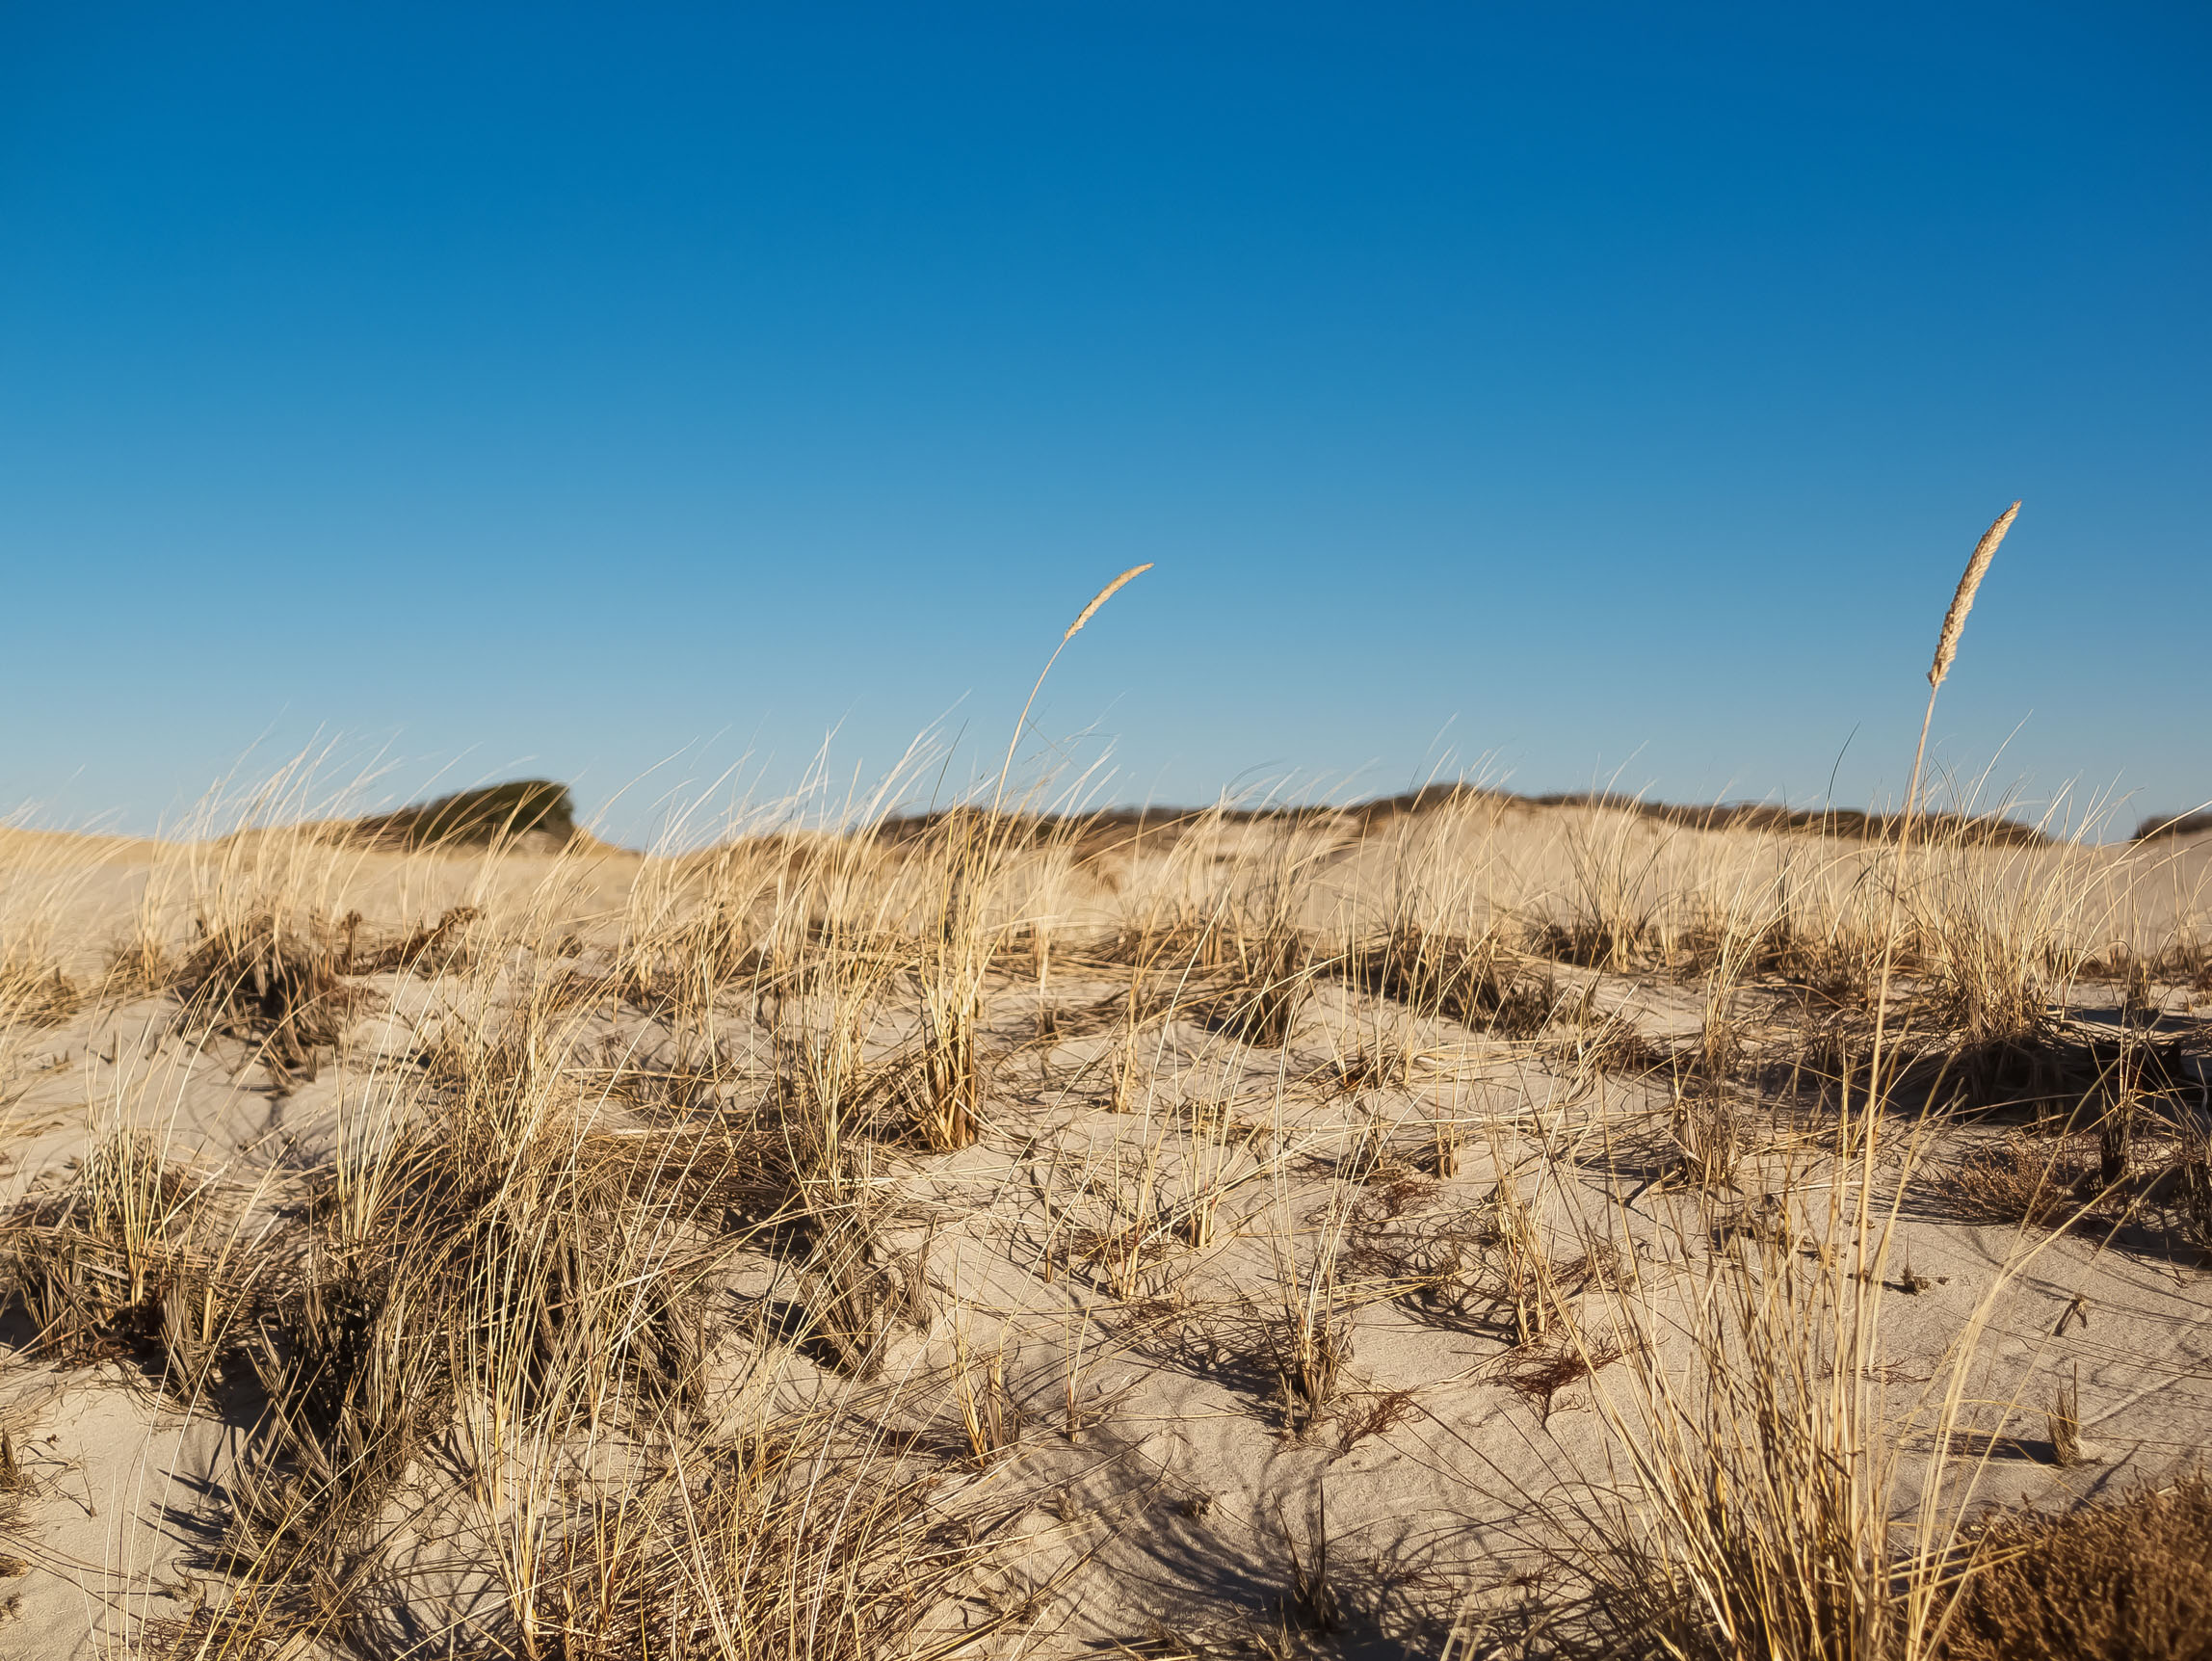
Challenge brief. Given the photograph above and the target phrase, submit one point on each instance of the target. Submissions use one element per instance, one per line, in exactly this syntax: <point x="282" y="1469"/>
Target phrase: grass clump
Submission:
<point x="1477" y="983"/>
<point x="35" y="995"/>
<point x="255" y="979"/>
<point x="2121" y="1580"/>
<point x="125" y="1261"/>
<point x="2015" y="1183"/>
<point x="1268" y="983"/>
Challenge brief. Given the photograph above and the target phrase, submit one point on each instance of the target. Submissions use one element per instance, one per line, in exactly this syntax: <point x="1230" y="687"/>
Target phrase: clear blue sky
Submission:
<point x="558" y="389"/>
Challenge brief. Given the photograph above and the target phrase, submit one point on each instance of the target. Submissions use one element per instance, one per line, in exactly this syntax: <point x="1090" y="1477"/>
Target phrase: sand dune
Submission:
<point x="1325" y="1235"/>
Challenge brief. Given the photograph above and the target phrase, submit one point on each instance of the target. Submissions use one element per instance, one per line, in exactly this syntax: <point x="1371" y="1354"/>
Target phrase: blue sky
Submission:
<point x="1587" y="392"/>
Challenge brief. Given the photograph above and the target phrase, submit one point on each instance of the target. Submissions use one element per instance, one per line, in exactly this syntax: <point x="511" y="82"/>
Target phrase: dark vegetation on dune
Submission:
<point x="2173" y="825"/>
<point x="475" y="818"/>
<point x="1108" y="828"/>
<point x="496" y="812"/>
<point x="1987" y="830"/>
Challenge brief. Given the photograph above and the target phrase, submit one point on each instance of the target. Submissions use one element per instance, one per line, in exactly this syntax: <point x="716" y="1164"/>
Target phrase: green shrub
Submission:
<point x="472" y="818"/>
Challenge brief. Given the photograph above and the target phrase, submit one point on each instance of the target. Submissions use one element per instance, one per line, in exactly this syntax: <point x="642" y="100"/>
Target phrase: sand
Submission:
<point x="1164" y="1478"/>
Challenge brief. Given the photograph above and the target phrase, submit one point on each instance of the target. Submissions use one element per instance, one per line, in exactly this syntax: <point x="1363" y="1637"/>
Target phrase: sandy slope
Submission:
<point x="1174" y="1496"/>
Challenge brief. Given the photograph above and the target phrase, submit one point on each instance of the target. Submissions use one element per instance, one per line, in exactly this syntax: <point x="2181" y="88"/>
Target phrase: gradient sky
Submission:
<point x="1583" y="392"/>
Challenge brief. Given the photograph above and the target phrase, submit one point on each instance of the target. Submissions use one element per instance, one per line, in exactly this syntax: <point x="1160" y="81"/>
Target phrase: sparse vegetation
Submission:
<point x="757" y="1250"/>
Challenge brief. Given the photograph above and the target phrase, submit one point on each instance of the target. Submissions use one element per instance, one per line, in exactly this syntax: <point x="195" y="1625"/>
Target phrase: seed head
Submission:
<point x="1104" y="595"/>
<point x="1963" y="602"/>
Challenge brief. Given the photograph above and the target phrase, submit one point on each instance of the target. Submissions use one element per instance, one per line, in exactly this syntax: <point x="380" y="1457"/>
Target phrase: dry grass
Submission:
<point x="504" y="1294"/>
<point x="2015" y="1183"/>
<point x="674" y="1250"/>
<point x="2125" y="1580"/>
<point x="125" y="1260"/>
